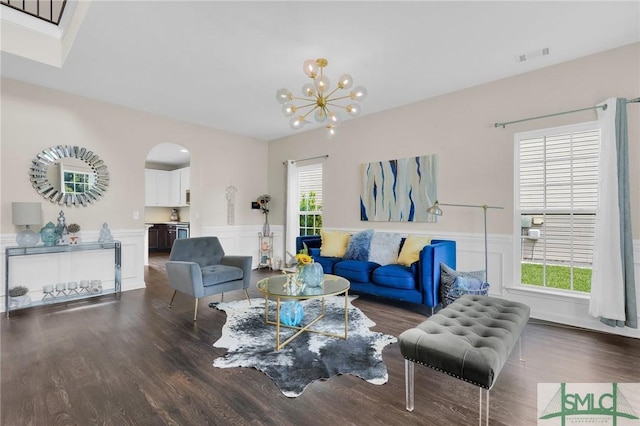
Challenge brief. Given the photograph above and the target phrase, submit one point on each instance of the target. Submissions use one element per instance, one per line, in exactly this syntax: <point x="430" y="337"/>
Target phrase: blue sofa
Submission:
<point x="419" y="283"/>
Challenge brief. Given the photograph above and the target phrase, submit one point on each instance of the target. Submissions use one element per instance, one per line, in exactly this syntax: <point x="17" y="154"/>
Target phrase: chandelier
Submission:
<point x="319" y="99"/>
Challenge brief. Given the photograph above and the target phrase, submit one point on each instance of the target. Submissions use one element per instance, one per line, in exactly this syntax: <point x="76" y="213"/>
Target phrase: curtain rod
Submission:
<point x="604" y="107"/>
<point x="310" y="158"/>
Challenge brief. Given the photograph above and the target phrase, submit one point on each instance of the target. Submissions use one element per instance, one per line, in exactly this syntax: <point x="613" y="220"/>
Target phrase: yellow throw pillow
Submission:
<point x="410" y="252"/>
<point x="334" y="243"/>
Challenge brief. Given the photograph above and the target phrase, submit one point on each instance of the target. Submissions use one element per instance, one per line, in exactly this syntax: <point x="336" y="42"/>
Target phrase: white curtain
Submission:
<point x="292" y="224"/>
<point x="612" y="282"/>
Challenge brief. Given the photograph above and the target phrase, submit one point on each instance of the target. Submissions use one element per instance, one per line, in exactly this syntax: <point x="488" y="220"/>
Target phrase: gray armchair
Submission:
<point x="199" y="268"/>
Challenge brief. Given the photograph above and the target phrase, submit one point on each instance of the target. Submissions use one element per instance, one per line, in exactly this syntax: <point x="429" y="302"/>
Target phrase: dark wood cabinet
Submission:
<point x="159" y="238"/>
<point x="171" y="236"/>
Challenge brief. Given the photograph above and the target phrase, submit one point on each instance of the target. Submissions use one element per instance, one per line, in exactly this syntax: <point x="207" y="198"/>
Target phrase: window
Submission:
<point x="556" y="199"/>
<point x="310" y="199"/>
<point x="77" y="182"/>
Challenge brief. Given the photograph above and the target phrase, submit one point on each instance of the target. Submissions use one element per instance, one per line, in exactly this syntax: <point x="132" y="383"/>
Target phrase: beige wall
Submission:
<point x="34" y="118"/>
<point x="476" y="159"/>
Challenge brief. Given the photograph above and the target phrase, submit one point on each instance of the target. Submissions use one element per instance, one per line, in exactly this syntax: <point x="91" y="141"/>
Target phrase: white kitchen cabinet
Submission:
<point x="157" y="188"/>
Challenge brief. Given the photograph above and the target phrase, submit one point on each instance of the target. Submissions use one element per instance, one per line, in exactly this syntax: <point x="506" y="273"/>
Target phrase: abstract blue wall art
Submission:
<point x="399" y="190"/>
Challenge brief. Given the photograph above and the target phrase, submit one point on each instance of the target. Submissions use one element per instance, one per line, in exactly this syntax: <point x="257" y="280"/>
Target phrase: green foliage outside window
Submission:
<point x="310" y="223"/>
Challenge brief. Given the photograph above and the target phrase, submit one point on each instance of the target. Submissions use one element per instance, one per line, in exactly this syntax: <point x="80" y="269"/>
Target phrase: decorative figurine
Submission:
<point x="49" y="235"/>
<point x="63" y="232"/>
<point x="105" y="234"/>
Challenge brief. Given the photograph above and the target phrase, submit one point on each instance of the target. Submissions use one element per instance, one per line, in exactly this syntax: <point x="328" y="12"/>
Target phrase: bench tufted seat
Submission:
<point x="470" y="339"/>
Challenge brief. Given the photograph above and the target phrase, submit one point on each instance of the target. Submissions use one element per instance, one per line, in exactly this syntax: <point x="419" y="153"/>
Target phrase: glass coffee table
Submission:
<point x="277" y="288"/>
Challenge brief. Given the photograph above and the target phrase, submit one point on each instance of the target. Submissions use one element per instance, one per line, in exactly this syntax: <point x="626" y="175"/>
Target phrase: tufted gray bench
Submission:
<point x="470" y="339"/>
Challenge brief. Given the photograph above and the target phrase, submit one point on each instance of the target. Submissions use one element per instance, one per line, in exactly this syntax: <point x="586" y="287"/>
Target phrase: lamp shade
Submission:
<point x="26" y="213"/>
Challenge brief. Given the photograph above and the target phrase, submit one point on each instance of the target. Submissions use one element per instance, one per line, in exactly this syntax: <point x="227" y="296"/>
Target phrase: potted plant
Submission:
<point x="73" y="229"/>
<point x="18" y="296"/>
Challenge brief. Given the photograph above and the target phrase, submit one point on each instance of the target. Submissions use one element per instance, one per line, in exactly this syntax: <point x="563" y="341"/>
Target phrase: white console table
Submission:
<point x="12" y="252"/>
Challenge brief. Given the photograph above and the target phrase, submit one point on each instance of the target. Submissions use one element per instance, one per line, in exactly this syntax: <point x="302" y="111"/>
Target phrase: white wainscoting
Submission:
<point x="243" y="240"/>
<point x="37" y="270"/>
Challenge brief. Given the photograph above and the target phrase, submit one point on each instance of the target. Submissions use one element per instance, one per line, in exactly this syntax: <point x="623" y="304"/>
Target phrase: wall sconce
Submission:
<point x="26" y="214"/>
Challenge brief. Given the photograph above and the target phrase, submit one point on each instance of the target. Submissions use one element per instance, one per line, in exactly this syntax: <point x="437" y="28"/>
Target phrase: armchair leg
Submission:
<point x="174" y="295"/>
<point x="195" y="311"/>
<point x="247" y="293"/>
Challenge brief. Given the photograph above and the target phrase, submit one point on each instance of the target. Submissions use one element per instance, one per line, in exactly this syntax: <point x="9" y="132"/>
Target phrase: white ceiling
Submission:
<point x="219" y="64"/>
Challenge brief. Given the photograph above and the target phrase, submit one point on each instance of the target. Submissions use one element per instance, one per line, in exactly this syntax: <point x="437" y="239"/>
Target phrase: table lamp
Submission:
<point x="26" y="214"/>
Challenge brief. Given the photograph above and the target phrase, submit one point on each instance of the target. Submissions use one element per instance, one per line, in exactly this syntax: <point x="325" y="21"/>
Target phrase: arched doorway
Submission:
<point x="167" y="196"/>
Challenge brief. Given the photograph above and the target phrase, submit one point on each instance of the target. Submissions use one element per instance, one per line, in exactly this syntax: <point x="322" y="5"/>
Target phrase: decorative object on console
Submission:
<point x="399" y="190"/>
<point x="63" y="231"/>
<point x="73" y="228"/>
<point x="303" y="361"/>
<point x="26" y="214"/>
<point x="320" y="99"/>
<point x="19" y="297"/>
<point x="105" y="234"/>
<point x="49" y="235"/>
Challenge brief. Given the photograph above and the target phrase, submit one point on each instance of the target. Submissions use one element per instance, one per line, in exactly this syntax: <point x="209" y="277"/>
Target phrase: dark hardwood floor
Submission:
<point x="133" y="361"/>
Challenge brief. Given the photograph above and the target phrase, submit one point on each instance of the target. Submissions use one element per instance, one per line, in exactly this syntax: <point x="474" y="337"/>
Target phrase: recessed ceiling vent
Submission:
<point x="532" y="55"/>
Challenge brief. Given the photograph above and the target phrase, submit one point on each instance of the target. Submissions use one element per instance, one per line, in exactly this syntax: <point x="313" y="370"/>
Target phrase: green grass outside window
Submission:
<point x="557" y="277"/>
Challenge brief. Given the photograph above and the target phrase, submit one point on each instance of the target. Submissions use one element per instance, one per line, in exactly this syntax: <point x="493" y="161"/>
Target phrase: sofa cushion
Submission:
<point x="327" y="262"/>
<point x="334" y="243"/>
<point x="355" y="270"/>
<point x="359" y="244"/>
<point x="395" y="276"/>
<point x="384" y="248"/>
<point x="218" y="274"/>
<point x="411" y="249"/>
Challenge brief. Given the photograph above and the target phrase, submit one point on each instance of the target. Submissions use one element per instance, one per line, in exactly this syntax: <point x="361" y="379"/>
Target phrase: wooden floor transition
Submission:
<point x="134" y="361"/>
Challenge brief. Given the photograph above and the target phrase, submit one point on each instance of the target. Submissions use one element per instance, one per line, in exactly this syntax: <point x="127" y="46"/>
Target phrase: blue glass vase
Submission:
<point x="291" y="313"/>
<point x="312" y="275"/>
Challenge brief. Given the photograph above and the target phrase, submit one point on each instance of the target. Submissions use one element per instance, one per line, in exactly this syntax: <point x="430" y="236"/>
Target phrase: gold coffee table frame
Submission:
<point x="274" y="287"/>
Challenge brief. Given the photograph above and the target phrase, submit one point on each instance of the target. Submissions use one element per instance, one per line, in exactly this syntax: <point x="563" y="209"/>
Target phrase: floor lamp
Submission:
<point x="436" y="210"/>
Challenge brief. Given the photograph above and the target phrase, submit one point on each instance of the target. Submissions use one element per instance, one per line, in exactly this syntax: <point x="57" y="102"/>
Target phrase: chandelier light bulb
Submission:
<point x="322" y="83"/>
<point x="310" y="68"/>
<point x="331" y="131"/>
<point x="358" y="94"/>
<point x="346" y="81"/>
<point x="321" y="101"/>
<point x="297" y="122"/>
<point x="353" y="110"/>
<point x="288" y="109"/>
<point x="308" y="90"/>
<point x="320" y="115"/>
<point x="284" y="95"/>
<point x="333" y="118"/>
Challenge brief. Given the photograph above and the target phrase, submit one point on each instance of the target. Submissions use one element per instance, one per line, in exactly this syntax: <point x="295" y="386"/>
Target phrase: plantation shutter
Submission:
<point x="559" y="182"/>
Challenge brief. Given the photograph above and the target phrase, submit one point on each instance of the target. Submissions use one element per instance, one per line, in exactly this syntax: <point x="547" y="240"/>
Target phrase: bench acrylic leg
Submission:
<point x="408" y="383"/>
<point x="521" y="340"/>
<point x="486" y="410"/>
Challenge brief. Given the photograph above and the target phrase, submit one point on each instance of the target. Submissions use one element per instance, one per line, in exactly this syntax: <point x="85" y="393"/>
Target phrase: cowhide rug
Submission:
<point x="310" y="356"/>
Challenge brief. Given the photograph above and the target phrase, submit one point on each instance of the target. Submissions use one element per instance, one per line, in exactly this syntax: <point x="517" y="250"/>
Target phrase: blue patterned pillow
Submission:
<point x="359" y="244"/>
